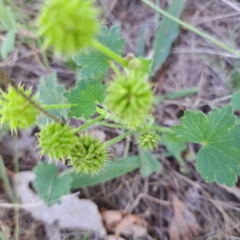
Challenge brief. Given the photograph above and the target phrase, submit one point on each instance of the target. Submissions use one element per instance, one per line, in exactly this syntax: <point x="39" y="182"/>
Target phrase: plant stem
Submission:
<point x="55" y="106"/>
<point x="109" y="115"/>
<point x="112" y="125"/>
<point x="101" y="110"/>
<point x="115" y="68"/>
<point x="4" y="78"/>
<point x="161" y="129"/>
<point x="100" y="47"/>
<point x="86" y="125"/>
<point x="118" y="139"/>
<point x="127" y="146"/>
<point x="193" y="29"/>
<point x="16" y="164"/>
<point x="114" y="118"/>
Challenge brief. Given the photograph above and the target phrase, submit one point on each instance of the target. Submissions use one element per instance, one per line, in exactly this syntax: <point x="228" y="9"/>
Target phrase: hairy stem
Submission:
<point x="4" y="78"/>
<point x="88" y="124"/>
<point x="112" y="125"/>
<point x="118" y="139"/>
<point x="161" y="129"/>
<point x="100" y="47"/>
<point x="115" y="68"/>
<point x="55" y="106"/>
<point x="112" y="117"/>
<point x="193" y="29"/>
<point x="109" y="115"/>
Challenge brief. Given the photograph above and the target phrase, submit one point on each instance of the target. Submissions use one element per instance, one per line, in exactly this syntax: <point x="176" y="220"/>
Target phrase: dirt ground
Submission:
<point x="174" y="202"/>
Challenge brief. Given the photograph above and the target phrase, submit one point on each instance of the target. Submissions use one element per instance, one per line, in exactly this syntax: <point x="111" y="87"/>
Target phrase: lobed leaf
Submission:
<point x="174" y="145"/>
<point x="50" y="92"/>
<point x="85" y="96"/>
<point x="218" y="159"/>
<point x="49" y="185"/>
<point x="145" y="68"/>
<point x="94" y="63"/>
<point x="149" y="163"/>
<point x="235" y="101"/>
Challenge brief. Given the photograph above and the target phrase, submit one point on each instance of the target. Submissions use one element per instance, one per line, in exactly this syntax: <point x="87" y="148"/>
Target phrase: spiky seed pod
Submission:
<point x="68" y="26"/>
<point x="56" y="140"/>
<point x="16" y="110"/>
<point x="148" y="140"/>
<point x="88" y="154"/>
<point x="130" y="98"/>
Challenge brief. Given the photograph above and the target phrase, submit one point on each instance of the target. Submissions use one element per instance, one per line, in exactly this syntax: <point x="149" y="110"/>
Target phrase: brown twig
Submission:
<point x="144" y="195"/>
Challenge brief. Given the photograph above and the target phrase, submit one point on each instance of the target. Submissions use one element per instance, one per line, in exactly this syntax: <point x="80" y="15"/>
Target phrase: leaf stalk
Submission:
<point x="88" y="124"/>
<point x="56" y="106"/>
<point x="118" y="139"/>
<point x="100" y="47"/>
<point x="115" y="69"/>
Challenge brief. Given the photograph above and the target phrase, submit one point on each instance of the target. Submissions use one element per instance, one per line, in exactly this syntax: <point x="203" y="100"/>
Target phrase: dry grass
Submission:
<point x="193" y="62"/>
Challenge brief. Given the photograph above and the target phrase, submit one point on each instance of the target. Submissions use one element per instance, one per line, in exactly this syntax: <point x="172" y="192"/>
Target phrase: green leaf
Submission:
<point x="8" y="43"/>
<point x="94" y="63"/>
<point x="51" y="186"/>
<point x="2" y="236"/>
<point x="218" y="159"/>
<point x="235" y="77"/>
<point x="86" y="96"/>
<point x="50" y="92"/>
<point x="145" y="68"/>
<point x="174" y="145"/>
<point x="8" y="23"/>
<point x="236" y="100"/>
<point x="140" y="48"/>
<point x="149" y="163"/>
<point x="182" y="93"/>
<point x="113" y="169"/>
<point x="166" y="34"/>
<point x="7" y="18"/>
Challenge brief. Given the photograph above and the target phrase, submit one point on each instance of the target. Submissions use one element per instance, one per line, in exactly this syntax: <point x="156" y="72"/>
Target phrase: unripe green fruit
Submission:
<point x="130" y="98"/>
<point x="68" y="26"/>
<point x="56" y="140"/>
<point x="88" y="154"/>
<point x="134" y="63"/>
<point x="16" y="110"/>
<point x="148" y="140"/>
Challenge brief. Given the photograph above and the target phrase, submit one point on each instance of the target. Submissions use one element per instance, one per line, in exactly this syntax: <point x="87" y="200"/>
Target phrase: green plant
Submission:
<point x="58" y="17"/>
<point x="8" y="23"/>
<point x="88" y="154"/>
<point x="127" y="101"/>
<point x="16" y="110"/>
<point x="148" y="140"/>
